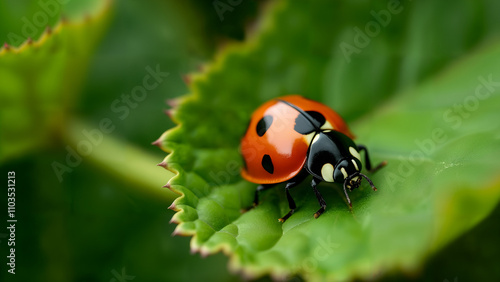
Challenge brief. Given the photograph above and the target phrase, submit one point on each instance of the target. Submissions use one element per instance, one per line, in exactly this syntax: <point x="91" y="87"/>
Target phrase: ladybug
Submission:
<point x="291" y="137"/>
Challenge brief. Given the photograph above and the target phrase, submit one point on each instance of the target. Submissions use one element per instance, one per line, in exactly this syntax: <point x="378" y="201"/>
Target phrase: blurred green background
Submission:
<point x="99" y="222"/>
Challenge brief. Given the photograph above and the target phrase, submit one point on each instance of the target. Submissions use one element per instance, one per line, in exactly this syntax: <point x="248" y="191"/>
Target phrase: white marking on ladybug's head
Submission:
<point x="327" y="172"/>
<point x="355" y="164"/>
<point x="355" y="153"/>
<point x="344" y="172"/>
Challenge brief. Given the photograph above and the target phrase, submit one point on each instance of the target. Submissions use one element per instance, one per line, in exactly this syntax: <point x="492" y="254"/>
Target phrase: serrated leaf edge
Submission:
<point x="49" y="31"/>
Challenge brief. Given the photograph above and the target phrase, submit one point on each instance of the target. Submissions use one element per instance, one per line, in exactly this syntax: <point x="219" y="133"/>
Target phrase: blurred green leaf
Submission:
<point x="101" y="218"/>
<point x="40" y="79"/>
<point x="425" y="118"/>
<point x="23" y="19"/>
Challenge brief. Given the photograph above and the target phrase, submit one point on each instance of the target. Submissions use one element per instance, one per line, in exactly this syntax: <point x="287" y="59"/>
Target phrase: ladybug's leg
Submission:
<point x="292" y="183"/>
<point x="291" y="202"/>
<point x="367" y="160"/>
<point x="261" y="187"/>
<point x="321" y="201"/>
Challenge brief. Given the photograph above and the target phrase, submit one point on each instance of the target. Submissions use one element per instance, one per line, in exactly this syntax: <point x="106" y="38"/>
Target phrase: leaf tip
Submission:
<point x="157" y="143"/>
<point x="163" y="164"/>
<point x="178" y="232"/>
<point x="174" y="102"/>
<point x="204" y="252"/>
<point x="169" y="113"/>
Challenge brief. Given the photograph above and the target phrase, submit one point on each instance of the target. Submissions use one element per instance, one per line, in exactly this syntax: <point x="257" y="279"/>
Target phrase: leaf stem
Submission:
<point x="122" y="160"/>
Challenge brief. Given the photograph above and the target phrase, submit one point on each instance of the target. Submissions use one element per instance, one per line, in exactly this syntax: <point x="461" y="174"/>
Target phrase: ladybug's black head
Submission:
<point x="344" y="169"/>
<point x="348" y="172"/>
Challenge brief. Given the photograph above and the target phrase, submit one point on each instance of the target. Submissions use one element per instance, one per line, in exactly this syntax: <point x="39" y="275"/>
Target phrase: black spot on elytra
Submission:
<point x="267" y="164"/>
<point x="264" y="124"/>
<point x="308" y="122"/>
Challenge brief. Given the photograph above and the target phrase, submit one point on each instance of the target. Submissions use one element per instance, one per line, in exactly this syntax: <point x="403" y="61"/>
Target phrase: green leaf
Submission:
<point x="417" y="95"/>
<point x="23" y="19"/>
<point x="40" y="79"/>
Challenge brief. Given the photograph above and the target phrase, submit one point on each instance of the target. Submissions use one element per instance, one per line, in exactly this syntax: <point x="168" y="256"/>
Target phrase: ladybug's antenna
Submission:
<point x="345" y="190"/>
<point x="307" y="116"/>
<point x="348" y="179"/>
<point x="369" y="181"/>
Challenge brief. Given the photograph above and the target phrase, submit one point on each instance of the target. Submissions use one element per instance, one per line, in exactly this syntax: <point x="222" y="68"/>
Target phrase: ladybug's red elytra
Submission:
<point x="291" y="137"/>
